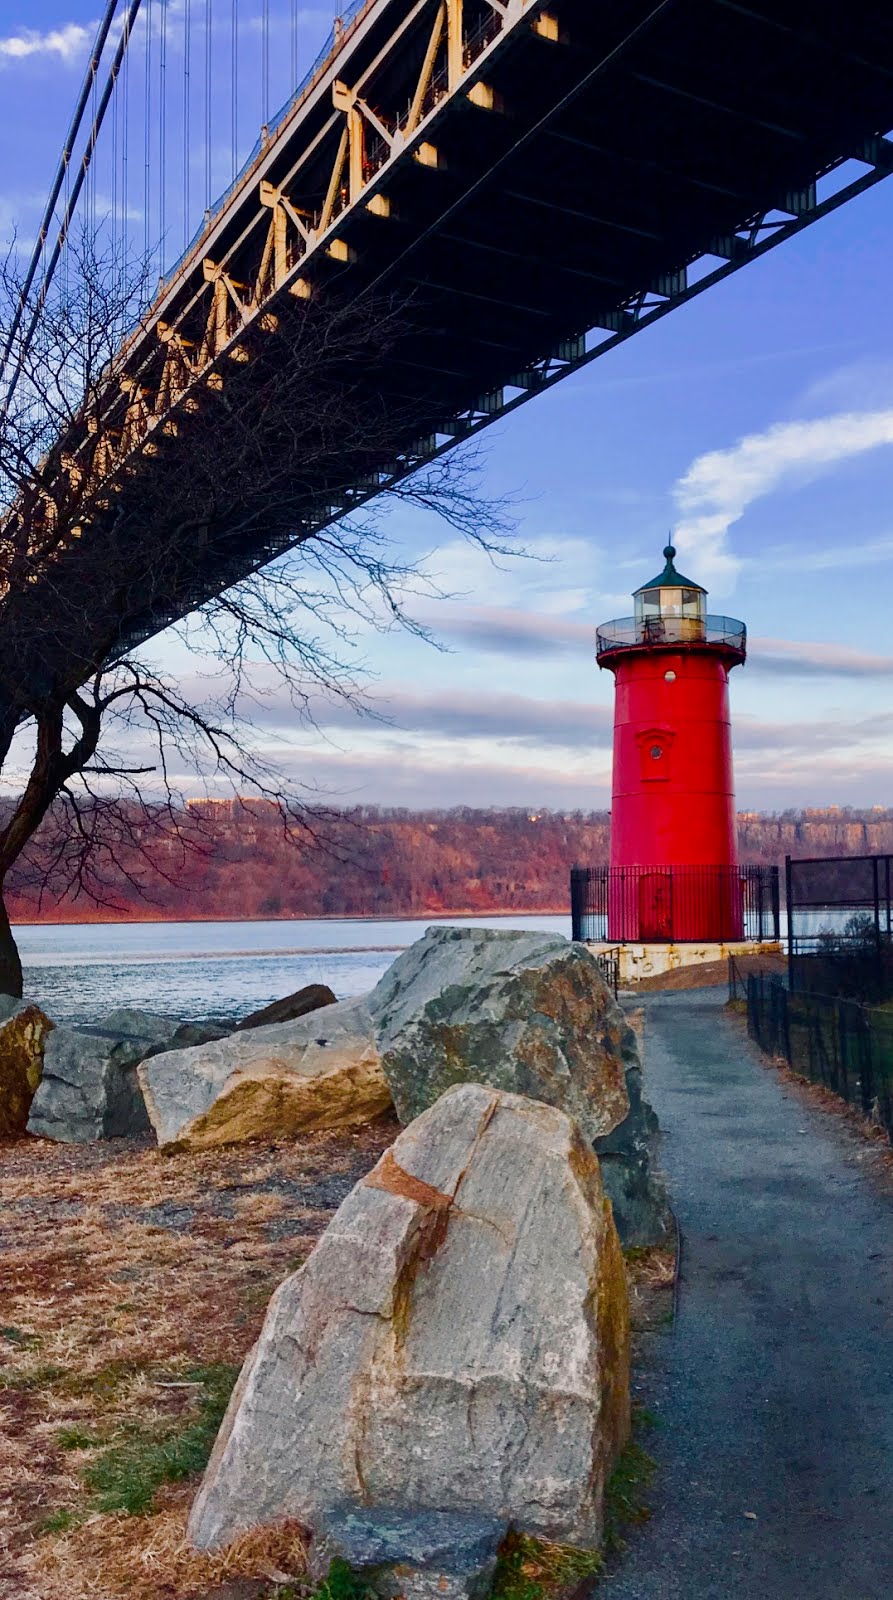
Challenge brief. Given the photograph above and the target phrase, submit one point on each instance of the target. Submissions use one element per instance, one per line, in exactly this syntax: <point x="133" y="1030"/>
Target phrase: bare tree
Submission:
<point x="90" y="563"/>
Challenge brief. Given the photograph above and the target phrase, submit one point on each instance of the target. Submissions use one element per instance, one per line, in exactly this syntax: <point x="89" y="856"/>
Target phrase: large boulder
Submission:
<point x="637" y="1191"/>
<point x="311" y="998"/>
<point x="320" y="1071"/>
<point x="455" y="1348"/>
<point x="23" y="1033"/>
<point x="89" y="1089"/>
<point x="530" y="1013"/>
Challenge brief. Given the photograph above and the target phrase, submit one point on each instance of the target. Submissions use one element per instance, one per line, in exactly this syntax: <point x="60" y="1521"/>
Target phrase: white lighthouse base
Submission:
<point x="638" y="961"/>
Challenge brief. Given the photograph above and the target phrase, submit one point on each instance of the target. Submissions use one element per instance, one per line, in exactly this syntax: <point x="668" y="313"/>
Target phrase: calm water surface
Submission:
<point x="198" y="970"/>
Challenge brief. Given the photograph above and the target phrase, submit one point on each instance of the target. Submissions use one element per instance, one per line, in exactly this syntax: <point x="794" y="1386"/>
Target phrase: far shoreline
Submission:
<point x="403" y="916"/>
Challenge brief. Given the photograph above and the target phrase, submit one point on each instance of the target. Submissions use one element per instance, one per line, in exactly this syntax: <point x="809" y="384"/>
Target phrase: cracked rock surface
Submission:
<point x="532" y="1014"/>
<point x="457" y="1343"/>
<point x="321" y="1070"/>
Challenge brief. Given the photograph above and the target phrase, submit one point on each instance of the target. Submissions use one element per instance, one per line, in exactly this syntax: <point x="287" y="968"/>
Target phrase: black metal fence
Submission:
<point x="839" y="1043"/>
<point x="840" y="926"/>
<point x="609" y="962"/>
<point x="666" y="905"/>
<point x="743" y="964"/>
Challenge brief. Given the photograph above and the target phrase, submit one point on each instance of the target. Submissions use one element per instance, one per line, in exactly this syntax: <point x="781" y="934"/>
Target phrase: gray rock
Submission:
<point x="311" y="998"/>
<point x="412" y="1553"/>
<point x="525" y="1012"/>
<point x="530" y="1013"/>
<point x="9" y="1007"/>
<point x="627" y="1155"/>
<point x="23" y="1033"/>
<point x="457" y="1343"/>
<point x="89" y="1089"/>
<point x="322" y="1070"/>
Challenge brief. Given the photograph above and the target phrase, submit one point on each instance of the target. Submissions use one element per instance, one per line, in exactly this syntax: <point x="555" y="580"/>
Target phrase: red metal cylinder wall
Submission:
<point x="678" y="808"/>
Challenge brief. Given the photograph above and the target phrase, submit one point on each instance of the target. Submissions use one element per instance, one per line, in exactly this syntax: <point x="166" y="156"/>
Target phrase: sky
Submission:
<point x="756" y="423"/>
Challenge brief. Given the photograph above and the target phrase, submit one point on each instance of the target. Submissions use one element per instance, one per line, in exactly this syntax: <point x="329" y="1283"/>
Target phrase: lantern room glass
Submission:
<point x="671" y="612"/>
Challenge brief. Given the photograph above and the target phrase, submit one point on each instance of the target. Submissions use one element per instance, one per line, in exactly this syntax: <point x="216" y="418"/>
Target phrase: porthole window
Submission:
<point x="670" y="677"/>
<point x="656" y="752"/>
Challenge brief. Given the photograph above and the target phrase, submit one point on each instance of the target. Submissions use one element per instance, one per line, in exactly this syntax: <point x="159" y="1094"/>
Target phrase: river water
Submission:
<point x="201" y="970"/>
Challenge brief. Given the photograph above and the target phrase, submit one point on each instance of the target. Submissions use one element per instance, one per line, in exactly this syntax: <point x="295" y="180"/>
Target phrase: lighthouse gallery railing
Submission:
<point x="605" y="898"/>
<point x="631" y="633"/>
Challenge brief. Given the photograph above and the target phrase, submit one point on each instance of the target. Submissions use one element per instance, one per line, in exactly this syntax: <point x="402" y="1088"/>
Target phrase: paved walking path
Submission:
<point x="775" y="1391"/>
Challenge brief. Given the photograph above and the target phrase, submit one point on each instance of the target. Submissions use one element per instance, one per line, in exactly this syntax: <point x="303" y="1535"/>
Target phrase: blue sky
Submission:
<point x="757" y="422"/>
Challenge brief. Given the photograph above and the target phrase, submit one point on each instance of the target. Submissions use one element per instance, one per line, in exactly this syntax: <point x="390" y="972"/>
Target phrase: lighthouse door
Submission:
<point x="655" y="907"/>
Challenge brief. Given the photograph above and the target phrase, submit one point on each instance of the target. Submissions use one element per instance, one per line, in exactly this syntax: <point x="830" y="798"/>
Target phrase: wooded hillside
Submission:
<point x="390" y="863"/>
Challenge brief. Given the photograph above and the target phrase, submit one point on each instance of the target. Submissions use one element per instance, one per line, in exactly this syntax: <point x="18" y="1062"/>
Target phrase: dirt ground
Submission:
<point x="132" y="1285"/>
<point x="706" y="975"/>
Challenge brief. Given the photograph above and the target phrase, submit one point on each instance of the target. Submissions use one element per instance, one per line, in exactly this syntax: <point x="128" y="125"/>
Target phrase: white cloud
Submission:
<point x="554" y="578"/>
<point x="806" y="658"/>
<point x="874" y="552"/>
<point x="68" y="43"/>
<point x="720" y="485"/>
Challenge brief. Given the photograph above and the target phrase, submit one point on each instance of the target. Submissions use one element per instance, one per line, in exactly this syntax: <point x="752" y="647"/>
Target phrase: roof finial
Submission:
<point x="669" y="549"/>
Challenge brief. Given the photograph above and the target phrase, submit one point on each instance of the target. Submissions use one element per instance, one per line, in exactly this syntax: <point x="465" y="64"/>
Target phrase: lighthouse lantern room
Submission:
<point x="674" y="858"/>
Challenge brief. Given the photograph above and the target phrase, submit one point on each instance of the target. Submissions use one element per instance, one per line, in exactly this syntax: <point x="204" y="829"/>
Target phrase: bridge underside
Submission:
<point x="592" y="167"/>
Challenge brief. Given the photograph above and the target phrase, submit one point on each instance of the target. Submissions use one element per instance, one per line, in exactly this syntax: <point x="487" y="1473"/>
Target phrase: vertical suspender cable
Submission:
<point x="234" y="86"/>
<point x="114" y="177"/>
<point x="91" y="170"/>
<point x="187" y="120"/>
<point x="162" y="139"/>
<point x="207" y="105"/>
<point x="61" y="176"/>
<point x="294" y="45"/>
<point x="147" y="135"/>
<point x="83" y="173"/>
<point x="265" y="63"/>
<point x="125" y="154"/>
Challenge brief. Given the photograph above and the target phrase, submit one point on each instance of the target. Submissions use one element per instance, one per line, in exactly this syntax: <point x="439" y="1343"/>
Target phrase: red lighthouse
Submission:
<point x="674" y="854"/>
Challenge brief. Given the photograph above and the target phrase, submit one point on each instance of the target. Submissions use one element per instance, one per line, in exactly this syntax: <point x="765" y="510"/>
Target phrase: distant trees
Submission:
<point x="237" y="861"/>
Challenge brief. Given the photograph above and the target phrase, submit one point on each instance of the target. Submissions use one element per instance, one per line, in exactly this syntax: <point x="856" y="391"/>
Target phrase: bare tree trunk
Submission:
<point x="10" y="963"/>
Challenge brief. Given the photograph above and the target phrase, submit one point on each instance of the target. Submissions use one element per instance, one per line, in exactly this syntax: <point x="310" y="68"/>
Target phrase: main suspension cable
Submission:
<point x="77" y="186"/>
<point x="60" y="178"/>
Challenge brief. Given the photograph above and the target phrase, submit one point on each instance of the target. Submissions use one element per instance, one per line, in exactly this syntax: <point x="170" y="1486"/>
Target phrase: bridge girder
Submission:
<point x="547" y="177"/>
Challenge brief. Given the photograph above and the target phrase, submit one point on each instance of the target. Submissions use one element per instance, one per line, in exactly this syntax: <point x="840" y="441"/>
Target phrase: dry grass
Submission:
<point x="704" y="975"/>
<point x="651" y="1275"/>
<point x="132" y="1285"/>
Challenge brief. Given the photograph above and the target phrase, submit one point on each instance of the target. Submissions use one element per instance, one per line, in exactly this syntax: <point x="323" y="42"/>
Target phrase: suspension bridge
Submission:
<point x="538" y="179"/>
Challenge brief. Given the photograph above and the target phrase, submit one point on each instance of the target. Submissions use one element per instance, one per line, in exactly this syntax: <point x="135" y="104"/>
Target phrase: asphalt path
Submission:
<point x="774" y="1391"/>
